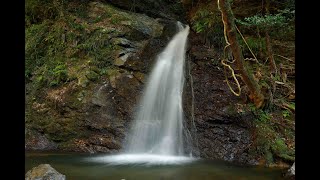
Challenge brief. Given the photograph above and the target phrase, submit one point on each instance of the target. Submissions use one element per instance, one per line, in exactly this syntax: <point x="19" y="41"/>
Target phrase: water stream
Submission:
<point x="157" y="128"/>
<point x="156" y="134"/>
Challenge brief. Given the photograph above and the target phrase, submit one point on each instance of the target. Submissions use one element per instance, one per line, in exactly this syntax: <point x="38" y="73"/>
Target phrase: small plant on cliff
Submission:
<point x="39" y="10"/>
<point x="59" y="74"/>
<point x="206" y="21"/>
<point x="202" y="20"/>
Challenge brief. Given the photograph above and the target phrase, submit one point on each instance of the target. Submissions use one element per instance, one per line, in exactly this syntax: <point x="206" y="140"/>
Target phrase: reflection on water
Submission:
<point x="77" y="167"/>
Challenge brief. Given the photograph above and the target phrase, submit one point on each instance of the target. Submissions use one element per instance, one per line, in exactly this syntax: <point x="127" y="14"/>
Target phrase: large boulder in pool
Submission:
<point x="44" y="172"/>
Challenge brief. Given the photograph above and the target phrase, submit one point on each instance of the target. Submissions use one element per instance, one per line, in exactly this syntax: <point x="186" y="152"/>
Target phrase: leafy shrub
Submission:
<point x="38" y="10"/>
<point x="58" y="74"/>
<point x="208" y="22"/>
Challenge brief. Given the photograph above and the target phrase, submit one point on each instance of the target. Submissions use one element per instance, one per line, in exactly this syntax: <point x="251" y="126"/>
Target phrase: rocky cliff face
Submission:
<point x="107" y="56"/>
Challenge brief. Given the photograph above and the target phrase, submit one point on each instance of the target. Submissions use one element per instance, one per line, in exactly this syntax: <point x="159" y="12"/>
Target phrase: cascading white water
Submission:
<point x="156" y="133"/>
<point x="157" y="128"/>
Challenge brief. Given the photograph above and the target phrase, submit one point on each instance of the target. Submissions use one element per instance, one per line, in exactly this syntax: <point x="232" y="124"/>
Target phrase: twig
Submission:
<point x="247" y="45"/>
<point x="284" y="57"/>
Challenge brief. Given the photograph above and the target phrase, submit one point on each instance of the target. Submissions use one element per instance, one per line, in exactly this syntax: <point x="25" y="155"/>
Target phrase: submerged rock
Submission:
<point x="44" y="172"/>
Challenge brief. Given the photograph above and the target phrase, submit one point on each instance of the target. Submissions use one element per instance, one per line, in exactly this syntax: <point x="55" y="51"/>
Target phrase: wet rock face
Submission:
<point x="114" y="100"/>
<point x="44" y="172"/>
<point x="37" y="141"/>
<point x="144" y="60"/>
<point x="92" y="113"/>
<point x="222" y="131"/>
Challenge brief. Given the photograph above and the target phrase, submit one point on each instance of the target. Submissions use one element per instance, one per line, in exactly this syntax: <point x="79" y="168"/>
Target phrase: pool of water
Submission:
<point x="98" y="166"/>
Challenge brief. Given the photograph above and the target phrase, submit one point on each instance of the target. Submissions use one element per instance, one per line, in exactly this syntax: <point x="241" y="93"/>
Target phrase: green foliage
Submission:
<point x="80" y="9"/>
<point x="269" y="142"/>
<point x="51" y="74"/>
<point x="279" y="20"/>
<point x="256" y="44"/>
<point x="202" y="20"/>
<point x="208" y="23"/>
<point x="263" y="116"/>
<point x="43" y="43"/>
<point x="98" y="46"/>
<point x="58" y="74"/>
<point x="76" y="26"/>
<point x="53" y="40"/>
<point x="281" y="150"/>
<point x="285" y="113"/>
<point x="270" y="145"/>
<point x="35" y="50"/>
<point x="38" y="10"/>
<point x="292" y="105"/>
<point x="100" y="18"/>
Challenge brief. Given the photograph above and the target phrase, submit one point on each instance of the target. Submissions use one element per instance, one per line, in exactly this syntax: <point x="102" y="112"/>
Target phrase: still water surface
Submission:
<point x="85" y="167"/>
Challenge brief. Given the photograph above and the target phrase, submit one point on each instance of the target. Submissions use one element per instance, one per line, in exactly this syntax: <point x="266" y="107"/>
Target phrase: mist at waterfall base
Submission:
<point x="156" y="134"/>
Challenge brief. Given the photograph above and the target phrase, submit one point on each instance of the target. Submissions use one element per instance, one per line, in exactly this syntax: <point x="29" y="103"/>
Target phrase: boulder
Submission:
<point x="44" y="172"/>
<point x="291" y="172"/>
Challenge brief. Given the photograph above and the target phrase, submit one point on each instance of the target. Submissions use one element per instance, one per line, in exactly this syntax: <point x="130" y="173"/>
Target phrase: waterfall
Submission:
<point x="157" y="128"/>
<point x="156" y="133"/>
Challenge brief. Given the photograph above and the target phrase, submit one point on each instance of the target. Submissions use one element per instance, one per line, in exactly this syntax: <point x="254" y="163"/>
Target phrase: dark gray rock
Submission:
<point x="38" y="141"/>
<point x="221" y="131"/>
<point x="144" y="60"/>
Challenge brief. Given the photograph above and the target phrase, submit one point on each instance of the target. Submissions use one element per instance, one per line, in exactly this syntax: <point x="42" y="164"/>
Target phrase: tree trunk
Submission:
<point x="255" y="94"/>
<point x="260" y="43"/>
<point x="273" y="67"/>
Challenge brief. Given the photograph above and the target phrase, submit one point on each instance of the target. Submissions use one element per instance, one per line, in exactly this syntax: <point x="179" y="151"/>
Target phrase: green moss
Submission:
<point x="92" y="76"/>
<point x="39" y="10"/>
<point x="268" y="156"/>
<point x="44" y="46"/>
<point x="101" y="17"/>
<point x="113" y="72"/>
<point x="61" y="130"/>
<point x="281" y="150"/>
<point x="269" y="143"/>
<point x="35" y="50"/>
<point x="80" y="9"/>
<point x="99" y="47"/>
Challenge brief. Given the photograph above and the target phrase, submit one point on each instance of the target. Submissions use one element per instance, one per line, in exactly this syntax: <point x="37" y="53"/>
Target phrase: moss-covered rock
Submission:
<point x="270" y="144"/>
<point x="91" y="75"/>
<point x="75" y="87"/>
